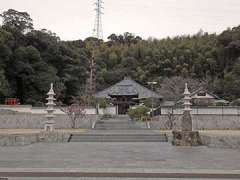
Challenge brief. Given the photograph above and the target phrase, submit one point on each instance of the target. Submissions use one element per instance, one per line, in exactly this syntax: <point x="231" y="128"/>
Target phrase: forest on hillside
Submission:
<point x="31" y="59"/>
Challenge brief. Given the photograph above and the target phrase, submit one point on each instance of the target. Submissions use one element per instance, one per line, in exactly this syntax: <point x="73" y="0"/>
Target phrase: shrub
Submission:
<point x="235" y="102"/>
<point x="220" y="104"/>
<point x="139" y="113"/>
<point x="92" y="101"/>
<point x="152" y="101"/>
<point x="102" y="102"/>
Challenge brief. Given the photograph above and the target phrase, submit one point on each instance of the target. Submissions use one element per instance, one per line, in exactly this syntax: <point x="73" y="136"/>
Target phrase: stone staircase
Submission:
<point x="119" y="129"/>
<point x="130" y="137"/>
<point x="120" y="122"/>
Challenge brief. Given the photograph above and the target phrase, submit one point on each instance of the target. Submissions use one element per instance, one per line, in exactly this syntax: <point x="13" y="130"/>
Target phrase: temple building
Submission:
<point x="127" y="93"/>
<point x="203" y="97"/>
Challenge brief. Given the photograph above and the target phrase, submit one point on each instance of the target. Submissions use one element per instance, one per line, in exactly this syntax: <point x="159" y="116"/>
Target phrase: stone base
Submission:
<point x="49" y="126"/>
<point x="53" y="137"/>
<point x="186" y="138"/>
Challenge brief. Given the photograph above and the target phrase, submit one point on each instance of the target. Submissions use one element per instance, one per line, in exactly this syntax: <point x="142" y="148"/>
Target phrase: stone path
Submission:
<point x="119" y="155"/>
<point x="99" y="174"/>
<point x="83" y="178"/>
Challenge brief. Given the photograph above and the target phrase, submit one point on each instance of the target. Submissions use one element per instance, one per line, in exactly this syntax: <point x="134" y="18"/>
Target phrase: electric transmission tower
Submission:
<point x="98" y="30"/>
<point x="97" y="33"/>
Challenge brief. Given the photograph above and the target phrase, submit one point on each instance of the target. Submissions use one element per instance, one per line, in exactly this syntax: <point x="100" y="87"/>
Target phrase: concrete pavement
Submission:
<point x="119" y="156"/>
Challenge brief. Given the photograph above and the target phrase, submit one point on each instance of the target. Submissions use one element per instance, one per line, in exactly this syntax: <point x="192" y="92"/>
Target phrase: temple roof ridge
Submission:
<point x="128" y="86"/>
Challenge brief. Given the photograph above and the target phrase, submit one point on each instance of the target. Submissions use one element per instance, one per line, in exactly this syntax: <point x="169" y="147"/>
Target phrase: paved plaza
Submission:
<point x="108" y="179"/>
<point x="119" y="156"/>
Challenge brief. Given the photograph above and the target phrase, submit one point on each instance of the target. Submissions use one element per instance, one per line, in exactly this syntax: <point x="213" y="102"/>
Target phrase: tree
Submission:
<point x="16" y="20"/>
<point x="74" y="112"/>
<point x="4" y="86"/>
<point x="113" y="38"/>
<point x="113" y="59"/>
<point x="31" y="59"/>
<point x="139" y="113"/>
<point x="173" y="88"/>
<point x="30" y="75"/>
<point x="152" y="102"/>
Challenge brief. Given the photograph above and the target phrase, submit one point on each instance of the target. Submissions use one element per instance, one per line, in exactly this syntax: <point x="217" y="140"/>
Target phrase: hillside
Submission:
<point x="30" y="59"/>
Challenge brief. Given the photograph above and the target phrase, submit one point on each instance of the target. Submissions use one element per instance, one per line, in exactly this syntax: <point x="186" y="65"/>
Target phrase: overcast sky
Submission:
<point x="74" y="19"/>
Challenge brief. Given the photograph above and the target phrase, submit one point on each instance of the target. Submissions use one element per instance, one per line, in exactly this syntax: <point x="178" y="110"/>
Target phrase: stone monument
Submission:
<point x="49" y="124"/>
<point x="186" y="136"/>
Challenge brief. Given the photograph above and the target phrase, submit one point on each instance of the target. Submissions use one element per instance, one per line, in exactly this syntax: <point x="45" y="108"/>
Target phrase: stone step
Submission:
<point x="118" y="118"/>
<point x="119" y="128"/>
<point x="118" y="138"/>
<point x="118" y="135"/>
<point x="113" y="124"/>
<point x="105" y="125"/>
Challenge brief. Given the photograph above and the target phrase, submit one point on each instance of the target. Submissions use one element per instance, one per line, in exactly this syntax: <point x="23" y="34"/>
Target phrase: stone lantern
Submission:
<point x="187" y="104"/>
<point x="186" y="136"/>
<point x="186" y="124"/>
<point x="49" y="124"/>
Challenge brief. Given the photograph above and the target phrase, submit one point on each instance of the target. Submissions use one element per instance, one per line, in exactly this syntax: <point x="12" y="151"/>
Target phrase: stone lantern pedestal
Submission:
<point x="186" y="136"/>
<point x="49" y="124"/>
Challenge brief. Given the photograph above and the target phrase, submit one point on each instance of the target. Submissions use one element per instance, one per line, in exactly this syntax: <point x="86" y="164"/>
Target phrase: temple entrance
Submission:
<point x="123" y="108"/>
<point x="123" y="103"/>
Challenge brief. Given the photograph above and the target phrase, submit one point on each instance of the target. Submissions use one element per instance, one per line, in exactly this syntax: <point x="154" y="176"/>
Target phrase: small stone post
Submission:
<point x="186" y="137"/>
<point x="49" y="124"/>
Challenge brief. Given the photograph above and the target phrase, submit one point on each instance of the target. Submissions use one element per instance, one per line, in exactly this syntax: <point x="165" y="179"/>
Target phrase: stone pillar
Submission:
<point x="186" y="137"/>
<point x="49" y="124"/>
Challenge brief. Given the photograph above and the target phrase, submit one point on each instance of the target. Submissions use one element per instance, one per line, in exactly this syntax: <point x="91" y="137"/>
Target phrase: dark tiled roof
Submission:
<point x="123" y="90"/>
<point x="201" y="89"/>
<point x="127" y="87"/>
<point x="168" y="103"/>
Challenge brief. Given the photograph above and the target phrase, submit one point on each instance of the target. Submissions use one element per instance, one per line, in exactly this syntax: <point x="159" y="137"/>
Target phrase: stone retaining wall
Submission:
<point x="18" y="140"/>
<point x="217" y="140"/>
<point x="27" y="139"/>
<point x="220" y="141"/>
<point x="210" y="140"/>
<point x="32" y="121"/>
<point x="200" y="122"/>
